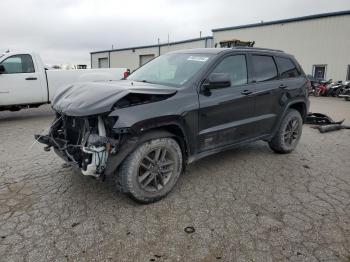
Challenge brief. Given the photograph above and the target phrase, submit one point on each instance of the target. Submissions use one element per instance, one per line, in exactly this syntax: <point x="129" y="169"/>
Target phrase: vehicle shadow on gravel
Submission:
<point x="205" y="169"/>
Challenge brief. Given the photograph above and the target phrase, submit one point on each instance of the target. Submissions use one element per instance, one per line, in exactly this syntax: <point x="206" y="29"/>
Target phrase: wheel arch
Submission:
<point x="300" y="105"/>
<point x="177" y="132"/>
<point x="173" y="124"/>
<point x="162" y="131"/>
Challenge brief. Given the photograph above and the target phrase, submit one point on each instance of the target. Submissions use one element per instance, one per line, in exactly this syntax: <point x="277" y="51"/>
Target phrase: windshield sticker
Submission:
<point x="198" y="58"/>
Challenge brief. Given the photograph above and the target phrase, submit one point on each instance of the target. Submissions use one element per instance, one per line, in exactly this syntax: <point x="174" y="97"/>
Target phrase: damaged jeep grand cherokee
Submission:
<point x="176" y="109"/>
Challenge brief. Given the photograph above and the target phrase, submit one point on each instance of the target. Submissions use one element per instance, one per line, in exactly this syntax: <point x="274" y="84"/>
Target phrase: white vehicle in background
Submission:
<point x="25" y="82"/>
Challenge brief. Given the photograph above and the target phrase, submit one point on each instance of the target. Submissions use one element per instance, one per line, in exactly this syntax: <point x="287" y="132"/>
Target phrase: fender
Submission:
<point x="178" y="116"/>
<point x="174" y="124"/>
<point x="130" y="145"/>
<point x="289" y="105"/>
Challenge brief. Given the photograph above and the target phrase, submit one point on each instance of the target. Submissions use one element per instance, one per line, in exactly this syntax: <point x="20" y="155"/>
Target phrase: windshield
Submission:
<point x="171" y="69"/>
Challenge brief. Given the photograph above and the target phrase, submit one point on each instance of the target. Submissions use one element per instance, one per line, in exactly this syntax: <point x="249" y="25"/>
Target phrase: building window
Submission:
<point x="348" y="74"/>
<point x="145" y="58"/>
<point x="103" y="62"/>
<point x="319" y="71"/>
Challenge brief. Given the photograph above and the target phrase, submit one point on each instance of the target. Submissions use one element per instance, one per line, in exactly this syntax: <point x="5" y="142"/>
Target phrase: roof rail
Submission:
<point x="257" y="48"/>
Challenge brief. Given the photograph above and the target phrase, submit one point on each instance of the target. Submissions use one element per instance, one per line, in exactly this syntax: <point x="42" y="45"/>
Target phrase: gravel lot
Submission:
<point x="246" y="204"/>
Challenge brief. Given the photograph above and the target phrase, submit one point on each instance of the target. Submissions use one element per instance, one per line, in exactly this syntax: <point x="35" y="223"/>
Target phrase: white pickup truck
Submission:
<point x="25" y="82"/>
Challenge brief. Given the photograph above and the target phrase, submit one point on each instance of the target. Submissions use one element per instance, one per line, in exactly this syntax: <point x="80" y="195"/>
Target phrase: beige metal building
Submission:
<point x="321" y="43"/>
<point x="134" y="57"/>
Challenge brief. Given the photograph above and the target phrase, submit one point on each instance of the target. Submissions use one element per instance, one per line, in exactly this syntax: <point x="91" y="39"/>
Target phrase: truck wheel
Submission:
<point x="15" y="109"/>
<point x="151" y="171"/>
<point x="288" y="134"/>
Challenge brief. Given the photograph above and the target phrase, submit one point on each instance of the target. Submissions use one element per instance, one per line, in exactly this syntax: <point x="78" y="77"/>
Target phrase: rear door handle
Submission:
<point x="31" y="78"/>
<point x="246" y="92"/>
<point x="283" y="86"/>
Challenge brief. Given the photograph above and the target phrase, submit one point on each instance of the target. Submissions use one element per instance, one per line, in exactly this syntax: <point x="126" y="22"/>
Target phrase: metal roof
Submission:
<point x="296" y="19"/>
<point x="156" y="45"/>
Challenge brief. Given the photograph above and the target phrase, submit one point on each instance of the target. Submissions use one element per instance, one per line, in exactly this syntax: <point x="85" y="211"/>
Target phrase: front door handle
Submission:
<point x="283" y="86"/>
<point x="246" y="92"/>
<point x="31" y="78"/>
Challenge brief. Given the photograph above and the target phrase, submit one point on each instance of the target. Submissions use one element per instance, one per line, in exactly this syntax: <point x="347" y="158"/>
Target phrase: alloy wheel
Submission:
<point x="292" y="131"/>
<point x="156" y="169"/>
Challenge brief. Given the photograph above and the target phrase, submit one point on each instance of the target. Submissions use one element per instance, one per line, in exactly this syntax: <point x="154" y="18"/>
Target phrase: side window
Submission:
<point x="18" y="64"/>
<point x="286" y="67"/>
<point x="236" y="67"/>
<point x="264" y="68"/>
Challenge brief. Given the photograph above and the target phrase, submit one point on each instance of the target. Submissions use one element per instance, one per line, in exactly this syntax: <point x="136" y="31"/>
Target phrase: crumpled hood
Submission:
<point x="91" y="98"/>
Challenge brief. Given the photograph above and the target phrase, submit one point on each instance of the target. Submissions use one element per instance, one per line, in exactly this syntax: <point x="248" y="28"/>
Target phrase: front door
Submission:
<point x="225" y="114"/>
<point x="20" y="84"/>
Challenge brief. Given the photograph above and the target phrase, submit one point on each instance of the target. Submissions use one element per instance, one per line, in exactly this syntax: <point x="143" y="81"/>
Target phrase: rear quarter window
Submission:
<point x="264" y="68"/>
<point x="287" y="68"/>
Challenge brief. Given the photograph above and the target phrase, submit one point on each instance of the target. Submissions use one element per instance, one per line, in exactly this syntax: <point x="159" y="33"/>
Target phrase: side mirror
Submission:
<point x="2" y="69"/>
<point x="217" y="80"/>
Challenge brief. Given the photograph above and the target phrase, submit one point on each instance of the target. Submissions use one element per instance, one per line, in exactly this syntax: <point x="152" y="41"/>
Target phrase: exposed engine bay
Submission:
<point x="84" y="132"/>
<point x="84" y="142"/>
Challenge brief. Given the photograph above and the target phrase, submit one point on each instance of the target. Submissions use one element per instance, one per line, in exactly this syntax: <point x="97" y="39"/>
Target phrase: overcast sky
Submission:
<point x="66" y="31"/>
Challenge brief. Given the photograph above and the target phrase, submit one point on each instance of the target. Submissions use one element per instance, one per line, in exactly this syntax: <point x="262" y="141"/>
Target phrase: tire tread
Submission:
<point x="131" y="162"/>
<point x="277" y="142"/>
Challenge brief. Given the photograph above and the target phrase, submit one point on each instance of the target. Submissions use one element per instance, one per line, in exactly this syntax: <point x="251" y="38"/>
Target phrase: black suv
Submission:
<point x="176" y="109"/>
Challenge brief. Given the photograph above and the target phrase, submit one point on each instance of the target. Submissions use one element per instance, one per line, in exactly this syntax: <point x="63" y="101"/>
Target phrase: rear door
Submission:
<point x="268" y="92"/>
<point x="275" y="78"/>
<point x="20" y="83"/>
<point x="225" y="114"/>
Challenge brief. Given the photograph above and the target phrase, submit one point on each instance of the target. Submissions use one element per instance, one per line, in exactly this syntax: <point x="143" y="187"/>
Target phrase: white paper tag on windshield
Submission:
<point x="198" y="58"/>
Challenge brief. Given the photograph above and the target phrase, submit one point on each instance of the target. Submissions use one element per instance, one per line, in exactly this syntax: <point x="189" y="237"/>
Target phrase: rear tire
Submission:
<point x="288" y="134"/>
<point x="152" y="170"/>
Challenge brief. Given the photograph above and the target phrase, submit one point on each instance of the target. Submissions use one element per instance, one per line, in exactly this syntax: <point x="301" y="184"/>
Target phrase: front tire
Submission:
<point x="288" y="134"/>
<point x="152" y="170"/>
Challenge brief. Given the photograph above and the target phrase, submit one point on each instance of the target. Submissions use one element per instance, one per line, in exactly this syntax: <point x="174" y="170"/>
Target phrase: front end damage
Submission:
<point x="84" y="142"/>
<point x="85" y="133"/>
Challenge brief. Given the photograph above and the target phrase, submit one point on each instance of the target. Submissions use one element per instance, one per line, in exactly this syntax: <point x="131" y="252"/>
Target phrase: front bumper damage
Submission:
<point x="86" y="143"/>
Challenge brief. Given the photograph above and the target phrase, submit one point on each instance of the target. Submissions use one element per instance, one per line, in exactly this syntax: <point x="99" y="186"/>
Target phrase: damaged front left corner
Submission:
<point x="83" y="142"/>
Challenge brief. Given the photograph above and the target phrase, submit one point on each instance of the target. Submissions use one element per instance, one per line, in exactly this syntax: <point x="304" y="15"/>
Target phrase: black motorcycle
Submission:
<point x="333" y="88"/>
<point x="343" y="89"/>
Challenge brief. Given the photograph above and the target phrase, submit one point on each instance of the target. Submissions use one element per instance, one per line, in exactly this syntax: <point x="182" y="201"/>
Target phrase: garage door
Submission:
<point x="103" y="62"/>
<point x="145" y="58"/>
